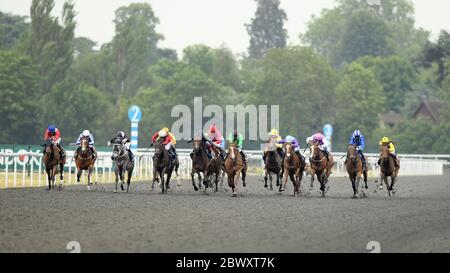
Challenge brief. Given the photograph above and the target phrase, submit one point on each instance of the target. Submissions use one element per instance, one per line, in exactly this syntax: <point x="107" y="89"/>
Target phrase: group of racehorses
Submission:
<point x="213" y="167"/>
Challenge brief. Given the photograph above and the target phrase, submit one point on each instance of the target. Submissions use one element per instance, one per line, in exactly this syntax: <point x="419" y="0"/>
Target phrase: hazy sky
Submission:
<point x="214" y="22"/>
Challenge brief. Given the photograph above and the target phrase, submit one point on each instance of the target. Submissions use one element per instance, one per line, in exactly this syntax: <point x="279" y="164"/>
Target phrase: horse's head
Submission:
<point x="232" y="151"/>
<point x="351" y="152"/>
<point x="117" y="148"/>
<point x="159" y="147"/>
<point x="48" y="147"/>
<point x="84" y="144"/>
<point x="288" y="150"/>
<point x="197" y="144"/>
<point x="384" y="150"/>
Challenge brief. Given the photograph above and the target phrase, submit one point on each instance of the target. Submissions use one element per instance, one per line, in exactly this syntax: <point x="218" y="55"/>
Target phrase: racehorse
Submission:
<point x="52" y="161"/>
<point x="85" y="160"/>
<point x="320" y="166"/>
<point x="161" y="166"/>
<point x="234" y="165"/>
<point x="387" y="169"/>
<point x="122" y="164"/>
<point x="355" y="169"/>
<point x="215" y="168"/>
<point x="200" y="162"/>
<point x="293" y="167"/>
<point x="272" y="165"/>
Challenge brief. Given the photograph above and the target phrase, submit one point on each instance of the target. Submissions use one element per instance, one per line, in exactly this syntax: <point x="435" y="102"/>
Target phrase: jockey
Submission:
<point x="125" y="139"/>
<point x="359" y="141"/>
<point x="388" y="142"/>
<point x="173" y="140"/>
<point x="217" y="139"/>
<point x="166" y="140"/>
<point x="321" y="140"/>
<point x="88" y="134"/>
<point x="54" y="135"/>
<point x="237" y="139"/>
<point x="206" y="143"/>
<point x="292" y="140"/>
<point x="275" y="137"/>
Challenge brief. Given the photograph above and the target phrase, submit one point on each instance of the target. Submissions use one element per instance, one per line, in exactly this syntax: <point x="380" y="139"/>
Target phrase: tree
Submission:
<point x="397" y="76"/>
<point x="415" y="136"/>
<point x="176" y="83"/>
<point x="19" y="82"/>
<point x="392" y="22"/>
<point x="50" y="44"/>
<point x="438" y="53"/>
<point x="442" y="131"/>
<point x="134" y="46"/>
<point x="74" y="106"/>
<point x="359" y="100"/>
<point x="303" y="87"/>
<point x="11" y="29"/>
<point x="325" y="33"/>
<point x="217" y="63"/>
<point x="83" y="45"/>
<point x="365" y="35"/>
<point x="266" y="29"/>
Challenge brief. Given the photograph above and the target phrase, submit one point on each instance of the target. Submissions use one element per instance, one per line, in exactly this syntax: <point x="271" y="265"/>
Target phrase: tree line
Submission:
<point x="354" y="62"/>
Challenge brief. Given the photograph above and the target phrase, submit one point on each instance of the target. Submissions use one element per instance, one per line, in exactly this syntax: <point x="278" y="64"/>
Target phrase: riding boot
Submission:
<point x="244" y="158"/>
<point x="131" y="155"/>
<point x="379" y="162"/>
<point x="191" y="155"/>
<point x="280" y="152"/>
<point x="264" y="157"/>
<point x="174" y="152"/>
<point x="363" y="158"/>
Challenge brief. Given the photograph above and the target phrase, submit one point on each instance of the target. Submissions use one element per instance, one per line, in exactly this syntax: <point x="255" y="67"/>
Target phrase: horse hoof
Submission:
<point x="178" y="184"/>
<point x="151" y="189"/>
<point x="115" y="191"/>
<point x="265" y="186"/>
<point x="235" y="194"/>
<point x="88" y="188"/>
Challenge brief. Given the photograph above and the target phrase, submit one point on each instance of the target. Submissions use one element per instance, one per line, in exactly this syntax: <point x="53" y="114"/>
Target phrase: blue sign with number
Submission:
<point x="135" y="113"/>
<point x="328" y="130"/>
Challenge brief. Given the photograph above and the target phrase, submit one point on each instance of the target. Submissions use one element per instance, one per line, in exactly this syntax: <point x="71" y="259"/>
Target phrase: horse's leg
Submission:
<point x="353" y="180"/>
<point x="313" y="173"/>
<point x="385" y="179"/>
<point x="271" y="181"/>
<point x="365" y="179"/>
<point x="61" y="174"/>
<point x="393" y="180"/>
<point x="293" y="180"/>
<point x="89" y="178"/>
<point x="265" y="178"/>
<point x="216" y="181"/>
<point x="78" y="174"/>
<point x="161" y="174"/>
<point x="193" y="180"/>
<point x="122" y="174"/>
<point x="244" y="175"/>
<point x="116" y="172"/>
<point x="169" y="175"/>
<point x="200" y="179"/>
<point x="236" y="179"/>
<point x="49" y="178"/>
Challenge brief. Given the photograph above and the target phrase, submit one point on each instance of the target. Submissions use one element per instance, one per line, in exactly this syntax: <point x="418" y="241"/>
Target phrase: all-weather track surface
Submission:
<point x="417" y="219"/>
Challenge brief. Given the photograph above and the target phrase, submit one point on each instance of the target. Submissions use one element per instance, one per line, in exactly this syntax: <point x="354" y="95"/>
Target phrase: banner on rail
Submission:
<point x="29" y="161"/>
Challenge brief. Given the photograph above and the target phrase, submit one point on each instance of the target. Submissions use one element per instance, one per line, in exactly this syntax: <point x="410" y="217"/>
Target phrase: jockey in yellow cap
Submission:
<point x="274" y="137"/>
<point x="173" y="141"/>
<point x="387" y="141"/>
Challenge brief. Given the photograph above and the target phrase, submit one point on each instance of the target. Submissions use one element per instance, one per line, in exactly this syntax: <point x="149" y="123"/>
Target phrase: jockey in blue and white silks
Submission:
<point x="359" y="141"/>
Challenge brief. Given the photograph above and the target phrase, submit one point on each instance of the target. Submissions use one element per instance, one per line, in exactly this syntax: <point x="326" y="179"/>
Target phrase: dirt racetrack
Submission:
<point x="416" y="220"/>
